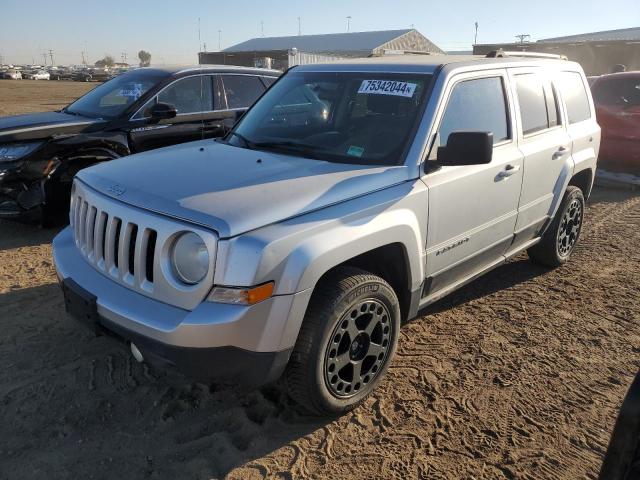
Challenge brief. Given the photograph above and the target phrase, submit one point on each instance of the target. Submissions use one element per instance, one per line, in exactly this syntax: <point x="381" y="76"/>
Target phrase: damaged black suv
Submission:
<point x="138" y="110"/>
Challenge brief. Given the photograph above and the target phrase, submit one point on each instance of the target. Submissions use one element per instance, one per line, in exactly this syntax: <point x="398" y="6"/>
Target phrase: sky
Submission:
<point x="169" y="30"/>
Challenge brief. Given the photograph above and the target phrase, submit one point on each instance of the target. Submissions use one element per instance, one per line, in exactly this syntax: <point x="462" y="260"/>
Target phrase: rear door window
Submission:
<point x="242" y="90"/>
<point x="476" y="105"/>
<point x="536" y="98"/>
<point x="575" y="96"/>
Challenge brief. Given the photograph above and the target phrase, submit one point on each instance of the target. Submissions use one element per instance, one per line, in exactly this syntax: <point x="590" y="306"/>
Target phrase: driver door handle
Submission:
<point x="509" y="170"/>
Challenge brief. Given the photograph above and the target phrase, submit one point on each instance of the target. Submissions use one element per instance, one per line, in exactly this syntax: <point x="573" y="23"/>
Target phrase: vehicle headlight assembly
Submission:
<point x="10" y="152"/>
<point x="190" y="258"/>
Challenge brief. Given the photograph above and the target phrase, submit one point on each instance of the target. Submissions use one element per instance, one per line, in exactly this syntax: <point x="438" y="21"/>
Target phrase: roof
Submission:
<point x="419" y="63"/>
<point x="172" y="70"/>
<point x="629" y="34"/>
<point x="332" y="42"/>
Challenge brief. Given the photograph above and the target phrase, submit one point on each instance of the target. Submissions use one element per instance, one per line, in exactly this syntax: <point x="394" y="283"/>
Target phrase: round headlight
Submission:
<point x="190" y="258"/>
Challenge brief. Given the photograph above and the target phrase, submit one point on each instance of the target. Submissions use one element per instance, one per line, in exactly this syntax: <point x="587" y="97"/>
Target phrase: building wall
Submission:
<point x="596" y="58"/>
<point x="279" y="59"/>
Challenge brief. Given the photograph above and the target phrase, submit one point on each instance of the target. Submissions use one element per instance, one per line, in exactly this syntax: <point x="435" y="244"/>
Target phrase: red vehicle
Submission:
<point x="617" y="100"/>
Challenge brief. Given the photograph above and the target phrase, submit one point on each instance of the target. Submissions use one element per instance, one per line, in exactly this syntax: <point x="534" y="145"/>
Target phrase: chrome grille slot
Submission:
<point x="151" y="249"/>
<point x="89" y="230"/>
<point x="100" y="232"/>
<point x="131" y="245"/>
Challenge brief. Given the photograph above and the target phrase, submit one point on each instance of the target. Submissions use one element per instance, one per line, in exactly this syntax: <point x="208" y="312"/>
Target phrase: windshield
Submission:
<point x="112" y="98"/>
<point x="362" y="118"/>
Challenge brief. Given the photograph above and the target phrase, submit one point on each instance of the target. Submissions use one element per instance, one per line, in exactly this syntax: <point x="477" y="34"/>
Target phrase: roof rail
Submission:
<point x="502" y="53"/>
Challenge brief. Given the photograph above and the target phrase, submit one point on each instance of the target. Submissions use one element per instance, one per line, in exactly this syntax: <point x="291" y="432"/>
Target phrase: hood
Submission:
<point x="35" y="126"/>
<point x="234" y="190"/>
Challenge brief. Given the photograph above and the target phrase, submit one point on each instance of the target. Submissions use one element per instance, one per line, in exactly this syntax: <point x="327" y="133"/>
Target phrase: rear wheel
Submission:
<point x="345" y="344"/>
<point x="561" y="237"/>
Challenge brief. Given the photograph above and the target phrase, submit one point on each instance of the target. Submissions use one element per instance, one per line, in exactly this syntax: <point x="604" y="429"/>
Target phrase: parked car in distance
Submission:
<point x="38" y="75"/>
<point x="62" y="74"/>
<point x="617" y="100"/>
<point x="347" y="197"/>
<point x="93" y="75"/>
<point x="12" y="74"/>
<point x="139" y="110"/>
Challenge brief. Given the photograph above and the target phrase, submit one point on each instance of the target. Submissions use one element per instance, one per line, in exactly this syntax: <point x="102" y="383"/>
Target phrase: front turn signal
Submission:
<point x="242" y="295"/>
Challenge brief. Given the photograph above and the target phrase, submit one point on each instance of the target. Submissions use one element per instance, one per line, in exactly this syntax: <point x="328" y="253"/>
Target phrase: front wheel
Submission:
<point x="561" y="237"/>
<point x="346" y="342"/>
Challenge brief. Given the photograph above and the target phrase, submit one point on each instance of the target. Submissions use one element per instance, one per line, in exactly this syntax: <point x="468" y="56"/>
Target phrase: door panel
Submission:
<point x="473" y="209"/>
<point x="193" y="98"/>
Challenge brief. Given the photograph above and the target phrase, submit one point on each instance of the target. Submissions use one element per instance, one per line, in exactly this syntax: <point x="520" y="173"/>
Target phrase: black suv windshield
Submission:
<point x="112" y="98"/>
<point x="362" y="118"/>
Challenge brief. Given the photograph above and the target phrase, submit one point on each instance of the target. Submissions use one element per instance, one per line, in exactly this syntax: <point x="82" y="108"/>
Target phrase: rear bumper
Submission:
<point x="243" y="344"/>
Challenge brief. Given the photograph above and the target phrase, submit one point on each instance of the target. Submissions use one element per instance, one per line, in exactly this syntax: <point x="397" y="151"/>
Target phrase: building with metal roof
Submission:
<point x="597" y="52"/>
<point x="623" y="34"/>
<point x="284" y="52"/>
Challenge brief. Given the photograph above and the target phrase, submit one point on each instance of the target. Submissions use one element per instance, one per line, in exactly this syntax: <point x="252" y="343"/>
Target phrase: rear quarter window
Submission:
<point x="575" y="97"/>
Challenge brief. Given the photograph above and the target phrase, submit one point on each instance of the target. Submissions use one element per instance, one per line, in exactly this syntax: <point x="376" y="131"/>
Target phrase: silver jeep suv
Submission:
<point x="347" y="198"/>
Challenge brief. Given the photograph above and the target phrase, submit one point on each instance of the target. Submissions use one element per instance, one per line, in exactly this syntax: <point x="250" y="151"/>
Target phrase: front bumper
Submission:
<point x="243" y="344"/>
<point x="19" y="200"/>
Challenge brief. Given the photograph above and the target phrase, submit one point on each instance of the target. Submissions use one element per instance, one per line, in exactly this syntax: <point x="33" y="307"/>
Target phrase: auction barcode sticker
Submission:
<point x="388" y="87"/>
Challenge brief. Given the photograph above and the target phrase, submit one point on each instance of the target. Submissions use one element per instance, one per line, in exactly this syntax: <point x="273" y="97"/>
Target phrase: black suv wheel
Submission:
<point x="561" y="237"/>
<point x="347" y="339"/>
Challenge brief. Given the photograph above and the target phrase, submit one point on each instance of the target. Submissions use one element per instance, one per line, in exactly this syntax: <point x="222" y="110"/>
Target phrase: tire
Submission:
<point x="561" y="237"/>
<point x="352" y="324"/>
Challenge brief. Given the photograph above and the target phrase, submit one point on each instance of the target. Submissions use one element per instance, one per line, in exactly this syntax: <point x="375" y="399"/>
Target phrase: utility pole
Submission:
<point x="348" y="23"/>
<point x="199" y="44"/>
<point x="1" y="59"/>
<point x="475" y="37"/>
<point x="51" y="56"/>
<point x="44" y="57"/>
<point x="123" y="56"/>
<point x="299" y="27"/>
<point x="205" y="47"/>
<point x="523" y="37"/>
<point x="261" y="28"/>
<point x="219" y="40"/>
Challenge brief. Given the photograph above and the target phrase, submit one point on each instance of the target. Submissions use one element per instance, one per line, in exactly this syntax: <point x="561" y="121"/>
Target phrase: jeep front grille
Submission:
<point x="131" y="246"/>
<point x="110" y="242"/>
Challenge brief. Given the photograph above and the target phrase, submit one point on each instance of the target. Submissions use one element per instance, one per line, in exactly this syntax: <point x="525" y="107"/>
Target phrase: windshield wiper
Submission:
<point x="308" y="150"/>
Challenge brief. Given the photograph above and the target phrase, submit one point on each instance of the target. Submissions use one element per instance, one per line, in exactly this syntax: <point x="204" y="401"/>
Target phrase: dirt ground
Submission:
<point x="518" y="375"/>
<point x="26" y="96"/>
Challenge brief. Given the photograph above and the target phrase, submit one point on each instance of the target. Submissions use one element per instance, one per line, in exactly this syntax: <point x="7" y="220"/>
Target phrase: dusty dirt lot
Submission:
<point x="26" y="96"/>
<point x="518" y="375"/>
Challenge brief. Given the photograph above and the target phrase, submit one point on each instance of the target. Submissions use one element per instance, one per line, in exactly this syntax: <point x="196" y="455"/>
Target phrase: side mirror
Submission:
<point x="163" y="111"/>
<point x="466" y="148"/>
